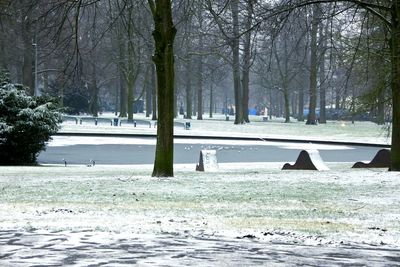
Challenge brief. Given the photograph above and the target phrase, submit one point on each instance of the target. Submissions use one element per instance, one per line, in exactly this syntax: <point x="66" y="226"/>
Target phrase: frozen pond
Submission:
<point x="116" y="150"/>
<point x="87" y="248"/>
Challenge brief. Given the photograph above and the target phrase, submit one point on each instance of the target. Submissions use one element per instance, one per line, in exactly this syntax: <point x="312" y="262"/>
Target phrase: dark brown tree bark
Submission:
<point x="395" y="49"/>
<point x="164" y="36"/>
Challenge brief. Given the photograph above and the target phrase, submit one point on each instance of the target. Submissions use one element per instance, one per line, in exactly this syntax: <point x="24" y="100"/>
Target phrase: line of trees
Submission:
<point x="299" y="59"/>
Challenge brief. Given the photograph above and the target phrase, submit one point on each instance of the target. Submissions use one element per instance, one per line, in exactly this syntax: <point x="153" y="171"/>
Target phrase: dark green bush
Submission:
<point x="26" y="124"/>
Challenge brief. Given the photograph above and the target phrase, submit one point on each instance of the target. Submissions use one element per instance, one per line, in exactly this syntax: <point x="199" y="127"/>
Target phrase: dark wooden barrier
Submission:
<point x="381" y="160"/>
<point x="307" y="160"/>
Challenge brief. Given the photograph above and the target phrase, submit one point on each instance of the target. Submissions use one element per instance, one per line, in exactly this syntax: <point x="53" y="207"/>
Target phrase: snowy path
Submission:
<point x="86" y="248"/>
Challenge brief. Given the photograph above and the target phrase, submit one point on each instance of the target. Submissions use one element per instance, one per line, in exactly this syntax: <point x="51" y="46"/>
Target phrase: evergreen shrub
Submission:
<point x="26" y="123"/>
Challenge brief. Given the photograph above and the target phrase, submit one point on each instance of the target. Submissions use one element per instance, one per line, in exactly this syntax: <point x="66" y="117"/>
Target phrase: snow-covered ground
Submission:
<point x="334" y="130"/>
<point x="244" y="205"/>
<point x="242" y="214"/>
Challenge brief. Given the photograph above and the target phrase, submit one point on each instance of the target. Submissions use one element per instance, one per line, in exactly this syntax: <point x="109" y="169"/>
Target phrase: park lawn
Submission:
<point x="364" y="131"/>
<point x="256" y="200"/>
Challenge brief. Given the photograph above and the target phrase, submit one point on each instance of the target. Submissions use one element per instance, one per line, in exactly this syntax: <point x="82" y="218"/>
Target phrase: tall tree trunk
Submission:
<point x="94" y="92"/>
<point x="176" y="96"/>
<point x="123" y="101"/>
<point x="395" y="49"/>
<point x="194" y="102"/>
<point x="246" y="60"/>
<point x="300" y="112"/>
<point x="200" y="67"/>
<point x="236" y="63"/>
<point x="200" y="91"/>
<point x="61" y="81"/>
<point x="189" y="96"/>
<point x="153" y="93"/>
<point x="123" y="104"/>
<point x="322" y="92"/>
<point x="94" y="95"/>
<point x="286" y="98"/>
<point x="116" y="107"/>
<point x="149" y="91"/>
<point x="131" y="98"/>
<point x="211" y="97"/>
<point x="337" y="98"/>
<point x="381" y="107"/>
<point x="322" y="81"/>
<point x="46" y="76"/>
<point x="293" y="103"/>
<point x="312" y="118"/>
<point x="164" y="35"/>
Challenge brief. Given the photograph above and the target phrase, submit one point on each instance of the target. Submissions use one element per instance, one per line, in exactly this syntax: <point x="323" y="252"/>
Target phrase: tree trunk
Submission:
<point x="149" y="91"/>
<point x="395" y="49"/>
<point x="153" y="93"/>
<point x="286" y="98"/>
<point x="322" y="80"/>
<point x="200" y="68"/>
<point x="94" y="96"/>
<point x="164" y="35"/>
<point x="116" y="108"/>
<point x="211" y="98"/>
<point x="94" y="90"/>
<point x="293" y="103"/>
<point x="131" y="98"/>
<point x="189" y="96"/>
<point x="175" y="96"/>
<point x="236" y="63"/>
<point x="380" y="120"/>
<point x="300" y="112"/>
<point x="247" y="60"/>
<point x="61" y="81"/>
<point x="123" y="104"/>
<point x="312" y="118"/>
<point x="122" y="75"/>
<point x="200" y="91"/>
<point x="337" y="98"/>
<point x="194" y="102"/>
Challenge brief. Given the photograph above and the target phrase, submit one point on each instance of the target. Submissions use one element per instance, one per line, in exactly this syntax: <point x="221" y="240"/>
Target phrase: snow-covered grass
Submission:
<point x="334" y="130"/>
<point x="341" y="205"/>
<point x="49" y="211"/>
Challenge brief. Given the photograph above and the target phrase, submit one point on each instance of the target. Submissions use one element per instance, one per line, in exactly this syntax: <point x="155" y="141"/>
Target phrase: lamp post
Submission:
<point x="36" y="91"/>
